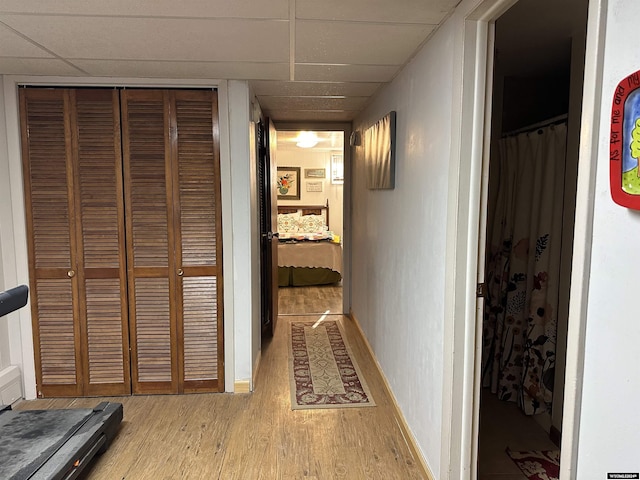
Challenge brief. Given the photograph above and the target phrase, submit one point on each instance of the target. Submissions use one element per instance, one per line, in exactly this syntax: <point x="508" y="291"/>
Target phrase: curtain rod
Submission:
<point x="534" y="126"/>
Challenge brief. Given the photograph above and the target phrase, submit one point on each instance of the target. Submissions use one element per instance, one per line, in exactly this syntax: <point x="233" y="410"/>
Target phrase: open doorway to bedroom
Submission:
<point x="310" y="198"/>
<point x="537" y="92"/>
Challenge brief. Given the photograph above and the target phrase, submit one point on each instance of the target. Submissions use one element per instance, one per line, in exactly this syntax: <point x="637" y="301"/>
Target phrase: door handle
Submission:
<point x="180" y="272"/>
<point x="71" y="273"/>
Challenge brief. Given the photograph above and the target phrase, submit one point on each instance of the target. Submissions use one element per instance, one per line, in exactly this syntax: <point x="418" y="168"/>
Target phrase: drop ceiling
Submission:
<point x="306" y="60"/>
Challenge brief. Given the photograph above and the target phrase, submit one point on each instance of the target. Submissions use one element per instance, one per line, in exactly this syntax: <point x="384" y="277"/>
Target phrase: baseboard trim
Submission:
<point x="256" y="366"/>
<point x="247" y="386"/>
<point x="242" y="386"/>
<point x="399" y="417"/>
<point x="555" y="435"/>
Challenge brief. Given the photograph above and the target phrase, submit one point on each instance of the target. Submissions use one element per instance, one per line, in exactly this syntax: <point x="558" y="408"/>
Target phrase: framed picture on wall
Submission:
<point x="315" y="186"/>
<point x="288" y="183"/>
<point x="314" y="173"/>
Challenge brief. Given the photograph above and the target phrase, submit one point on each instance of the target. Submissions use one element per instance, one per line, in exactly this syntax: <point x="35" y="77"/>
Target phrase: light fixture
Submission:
<point x="307" y="139"/>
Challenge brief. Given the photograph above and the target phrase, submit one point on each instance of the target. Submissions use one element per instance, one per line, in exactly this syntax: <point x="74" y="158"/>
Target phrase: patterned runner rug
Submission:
<point x="538" y="465"/>
<point x="322" y="370"/>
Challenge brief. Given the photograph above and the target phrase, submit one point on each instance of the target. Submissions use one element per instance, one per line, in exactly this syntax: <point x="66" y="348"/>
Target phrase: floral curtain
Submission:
<point x="523" y="264"/>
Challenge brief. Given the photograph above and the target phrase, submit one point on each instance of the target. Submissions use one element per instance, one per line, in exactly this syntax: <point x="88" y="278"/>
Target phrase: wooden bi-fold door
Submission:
<point x="75" y="229"/>
<point x="123" y="216"/>
<point x="172" y="193"/>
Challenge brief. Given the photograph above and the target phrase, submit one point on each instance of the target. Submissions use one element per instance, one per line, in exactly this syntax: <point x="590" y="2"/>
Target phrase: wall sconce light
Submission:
<point x="354" y="139"/>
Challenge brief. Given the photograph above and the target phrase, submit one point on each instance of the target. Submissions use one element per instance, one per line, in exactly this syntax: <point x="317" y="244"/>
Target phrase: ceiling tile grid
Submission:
<point x="305" y="60"/>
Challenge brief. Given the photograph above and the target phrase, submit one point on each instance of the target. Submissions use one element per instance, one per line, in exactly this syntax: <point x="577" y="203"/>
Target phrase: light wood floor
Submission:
<point x="308" y="300"/>
<point x="254" y="436"/>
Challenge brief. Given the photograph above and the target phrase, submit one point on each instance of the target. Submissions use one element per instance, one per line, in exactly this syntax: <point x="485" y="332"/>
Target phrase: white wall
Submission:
<point x="13" y="334"/>
<point x="399" y="238"/>
<point x="5" y="216"/>
<point x="609" y="438"/>
<point x="246" y="258"/>
<point x="310" y="158"/>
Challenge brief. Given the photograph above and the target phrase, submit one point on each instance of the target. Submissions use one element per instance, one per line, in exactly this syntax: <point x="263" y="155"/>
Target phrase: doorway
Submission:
<point x="310" y="218"/>
<point x="537" y="80"/>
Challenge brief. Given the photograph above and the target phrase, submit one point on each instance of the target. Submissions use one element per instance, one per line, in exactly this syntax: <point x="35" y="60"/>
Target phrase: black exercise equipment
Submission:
<point x="13" y="299"/>
<point x="51" y="444"/>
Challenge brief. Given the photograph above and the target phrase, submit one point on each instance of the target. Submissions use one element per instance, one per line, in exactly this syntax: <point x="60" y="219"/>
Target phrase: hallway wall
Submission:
<point x="399" y="239"/>
<point x="611" y="371"/>
<point x="5" y="216"/>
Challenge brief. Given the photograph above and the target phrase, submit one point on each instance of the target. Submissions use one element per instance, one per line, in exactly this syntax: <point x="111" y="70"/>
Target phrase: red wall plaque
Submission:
<point x="624" y="150"/>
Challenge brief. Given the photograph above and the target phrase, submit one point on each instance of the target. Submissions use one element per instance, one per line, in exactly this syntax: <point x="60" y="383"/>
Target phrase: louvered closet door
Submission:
<point x="150" y="247"/>
<point x="102" y="265"/>
<point x="172" y="186"/>
<point x="198" y="225"/>
<point x="73" y="195"/>
<point x="48" y="174"/>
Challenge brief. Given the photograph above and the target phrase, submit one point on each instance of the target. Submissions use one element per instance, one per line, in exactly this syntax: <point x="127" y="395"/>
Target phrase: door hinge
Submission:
<point x="481" y="290"/>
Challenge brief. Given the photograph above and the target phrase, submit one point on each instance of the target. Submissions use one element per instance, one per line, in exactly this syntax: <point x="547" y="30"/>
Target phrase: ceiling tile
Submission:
<point x="357" y="43"/>
<point x="157" y="69"/>
<point x="36" y="66"/>
<point x="343" y="52"/>
<point x="13" y="45"/>
<point x="163" y="8"/>
<point x="315" y="115"/>
<point x="312" y="103"/>
<point x="383" y="11"/>
<point x="313" y="88"/>
<point x="156" y="39"/>
<point x="345" y="73"/>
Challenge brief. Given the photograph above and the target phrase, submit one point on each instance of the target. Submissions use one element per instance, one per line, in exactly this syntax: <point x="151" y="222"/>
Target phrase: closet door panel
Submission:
<point x="107" y="356"/>
<point x="102" y="266"/>
<point x="147" y="167"/>
<point x="48" y="174"/>
<point x="197" y="178"/>
<point x="57" y="334"/>
<point x="153" y="333"/>
<point x="198" y="233"/>
<point x="199" y="296"/>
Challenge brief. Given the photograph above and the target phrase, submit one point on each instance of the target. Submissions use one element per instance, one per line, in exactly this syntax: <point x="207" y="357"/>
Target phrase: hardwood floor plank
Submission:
<point x="256" y="435"/>
<point x="310" y="300"/>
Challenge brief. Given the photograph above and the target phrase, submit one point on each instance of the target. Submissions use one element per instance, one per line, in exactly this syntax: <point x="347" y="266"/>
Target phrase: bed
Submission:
<point x="308" y="252"/>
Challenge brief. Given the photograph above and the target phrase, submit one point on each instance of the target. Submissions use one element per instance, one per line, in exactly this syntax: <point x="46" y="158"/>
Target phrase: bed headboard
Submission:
<point x="307" y="210"/>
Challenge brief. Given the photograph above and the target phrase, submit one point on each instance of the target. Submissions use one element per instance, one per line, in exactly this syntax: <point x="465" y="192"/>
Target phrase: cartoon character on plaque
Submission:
<point x="624" y="155"/>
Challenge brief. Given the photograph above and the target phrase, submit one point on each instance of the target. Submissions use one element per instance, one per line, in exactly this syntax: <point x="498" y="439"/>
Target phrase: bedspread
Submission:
<point x="311" y="254"/>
